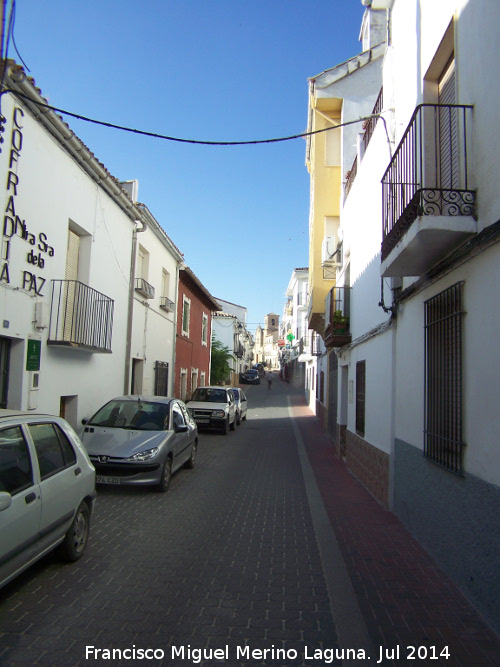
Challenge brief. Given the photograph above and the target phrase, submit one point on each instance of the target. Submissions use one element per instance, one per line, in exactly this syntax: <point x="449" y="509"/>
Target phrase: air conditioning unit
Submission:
<point x="329" y="254"/>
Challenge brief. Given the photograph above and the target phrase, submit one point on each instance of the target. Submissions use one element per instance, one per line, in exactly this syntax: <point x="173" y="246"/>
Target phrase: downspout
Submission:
<point x="174" y="337"/>
<point x="128" y="350"/>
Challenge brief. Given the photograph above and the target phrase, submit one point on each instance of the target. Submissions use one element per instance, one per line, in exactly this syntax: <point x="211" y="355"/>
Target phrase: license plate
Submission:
<point x="203" y="421"/>
<point x="106" y="479"/>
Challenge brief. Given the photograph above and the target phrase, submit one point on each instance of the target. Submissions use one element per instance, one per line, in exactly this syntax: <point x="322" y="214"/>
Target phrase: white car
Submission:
<point x="47" y="491"/>
<point x="213" y="408"/>
<point x="241" y="404"/>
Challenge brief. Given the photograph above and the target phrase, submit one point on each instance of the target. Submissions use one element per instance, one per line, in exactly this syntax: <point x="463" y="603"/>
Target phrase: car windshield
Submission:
<point x="137" y="415"/>
<point x="252" y="372"/>
<point x="209" y="395"/>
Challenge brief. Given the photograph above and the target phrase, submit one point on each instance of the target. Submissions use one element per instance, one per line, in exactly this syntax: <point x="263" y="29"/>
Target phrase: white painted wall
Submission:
<point x="477" y="83"/>
<point x="153" y="330"/>
<point x="53" y="190"/>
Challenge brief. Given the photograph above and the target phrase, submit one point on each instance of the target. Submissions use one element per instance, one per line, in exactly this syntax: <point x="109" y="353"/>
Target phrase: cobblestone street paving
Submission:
<point x="222" y="567"/>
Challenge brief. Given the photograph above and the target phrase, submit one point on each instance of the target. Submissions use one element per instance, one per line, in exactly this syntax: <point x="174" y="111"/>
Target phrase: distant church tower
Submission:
<point x="272" y="323"/>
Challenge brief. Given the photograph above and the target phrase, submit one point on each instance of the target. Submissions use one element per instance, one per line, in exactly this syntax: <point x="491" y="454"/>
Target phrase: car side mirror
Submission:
<point x="85" y="421"/>
<point x="182" y="428"/>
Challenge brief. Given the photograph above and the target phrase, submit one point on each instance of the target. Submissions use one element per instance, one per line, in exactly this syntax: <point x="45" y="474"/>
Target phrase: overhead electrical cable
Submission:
<point x="155" y="135"/>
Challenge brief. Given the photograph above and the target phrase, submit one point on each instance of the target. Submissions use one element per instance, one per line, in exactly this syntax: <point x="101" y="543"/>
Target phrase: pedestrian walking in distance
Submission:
<point x="270" y="379"/>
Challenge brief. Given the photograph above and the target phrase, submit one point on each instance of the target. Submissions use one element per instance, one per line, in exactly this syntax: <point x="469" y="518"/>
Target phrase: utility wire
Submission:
<point x="178" y="139"/>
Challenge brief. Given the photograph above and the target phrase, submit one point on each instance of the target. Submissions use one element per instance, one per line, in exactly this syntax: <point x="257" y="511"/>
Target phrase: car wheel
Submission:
<point x="233" y="425"/>
<point x="243" y="419"/>
<point x="191" y="461"/>
<point x="225" y="428"/>
<point x="77" y="536"/>
<point x="166" y="476"/>
<point x="238" y="420"/>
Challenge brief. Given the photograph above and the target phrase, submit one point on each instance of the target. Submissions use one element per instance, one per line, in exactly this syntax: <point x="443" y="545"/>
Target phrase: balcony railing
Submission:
<point x="143" y="287"/>
<point x="166" y="304"/>
<point x="337" y="320"/>
<point x="428" y="175"/>
<point x="80" y="317"/>
<point x="369" y="125"/>
<point x="350" y="176"/>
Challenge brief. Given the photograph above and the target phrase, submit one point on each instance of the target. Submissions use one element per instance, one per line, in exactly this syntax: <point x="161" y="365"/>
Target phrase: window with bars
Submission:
<point x="443" y="436"/>
<point x="161" y="378"/>
<point x="360" y="397"/>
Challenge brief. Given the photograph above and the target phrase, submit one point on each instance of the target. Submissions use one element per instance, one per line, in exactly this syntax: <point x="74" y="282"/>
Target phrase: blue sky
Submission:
<point x="216" y="70"/>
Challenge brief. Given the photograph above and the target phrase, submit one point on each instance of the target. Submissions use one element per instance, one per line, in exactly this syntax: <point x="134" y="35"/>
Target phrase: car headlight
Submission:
<point x="147" y="455"/>
<point x="218" y="413"/>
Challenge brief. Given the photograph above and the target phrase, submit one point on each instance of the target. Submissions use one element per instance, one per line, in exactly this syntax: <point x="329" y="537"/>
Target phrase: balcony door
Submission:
<point x="449" y="163"/>
<point x="71" y="276"/>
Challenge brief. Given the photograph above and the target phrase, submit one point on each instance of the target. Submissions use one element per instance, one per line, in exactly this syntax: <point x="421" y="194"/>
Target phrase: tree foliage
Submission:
<point x="220" y="368"/>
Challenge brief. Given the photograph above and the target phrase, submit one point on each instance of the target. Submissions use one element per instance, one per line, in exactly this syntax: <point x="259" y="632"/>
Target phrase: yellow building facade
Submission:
<point x="323" y="161"/>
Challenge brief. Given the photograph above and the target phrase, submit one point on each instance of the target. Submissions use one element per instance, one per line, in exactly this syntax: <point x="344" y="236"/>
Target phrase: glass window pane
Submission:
<point x="48" y="449"/>
<point x="67" y="448"/>
<point x="15" y="463"/>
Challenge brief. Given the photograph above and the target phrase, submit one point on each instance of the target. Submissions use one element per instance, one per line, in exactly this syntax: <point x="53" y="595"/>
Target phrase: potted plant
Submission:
<point x="340" y="322"/>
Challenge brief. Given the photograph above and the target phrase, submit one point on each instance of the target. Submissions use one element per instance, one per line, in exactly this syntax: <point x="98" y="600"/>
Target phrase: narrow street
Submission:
<point x="268" y="552"/>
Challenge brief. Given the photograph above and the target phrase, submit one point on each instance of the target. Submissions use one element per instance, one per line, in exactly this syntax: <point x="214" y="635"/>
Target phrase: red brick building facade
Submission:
<point x="195" y="306"/>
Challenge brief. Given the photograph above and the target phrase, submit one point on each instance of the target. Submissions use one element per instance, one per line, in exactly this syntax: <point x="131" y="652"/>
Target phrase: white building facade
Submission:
<point x="66" y="248"/>
<point x="420" y="225"/>
<point x="229" y="327"/>
<point x="154" y="295"/>
<point x="76" y="326"/>
<point x="296" y="356"/>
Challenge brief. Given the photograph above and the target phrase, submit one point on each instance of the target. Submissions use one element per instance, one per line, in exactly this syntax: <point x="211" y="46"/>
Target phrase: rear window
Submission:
<point x="210" y="395"/>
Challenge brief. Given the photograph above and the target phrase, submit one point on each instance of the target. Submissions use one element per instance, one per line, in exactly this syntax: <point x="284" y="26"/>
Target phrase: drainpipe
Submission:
<point x="131" y="303"/>
<point x="180" y="265"/>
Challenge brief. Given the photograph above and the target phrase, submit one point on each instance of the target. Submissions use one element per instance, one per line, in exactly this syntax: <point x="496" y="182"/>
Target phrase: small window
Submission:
<point x="186" y="307"/>
<point x="15" y="464"/>
<point x="360" y="397"/>
<point x="52" y="447"/>
<point x="204" y="329"/>
<point x="165" y="283"/>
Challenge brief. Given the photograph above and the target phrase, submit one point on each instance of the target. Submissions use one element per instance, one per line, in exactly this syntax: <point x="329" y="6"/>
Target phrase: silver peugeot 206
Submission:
<point x="140" y="441"/>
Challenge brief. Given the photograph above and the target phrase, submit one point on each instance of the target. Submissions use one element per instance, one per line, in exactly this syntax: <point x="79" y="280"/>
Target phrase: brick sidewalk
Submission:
<point x="405" y="599"/>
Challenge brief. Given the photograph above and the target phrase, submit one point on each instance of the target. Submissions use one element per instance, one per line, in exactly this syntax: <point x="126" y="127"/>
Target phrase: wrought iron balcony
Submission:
<point x="80" y="317"/>
<point x="166" y="304"/>
<point x="428" y="202"/>
<point x="337" y="317"/>
<point x="143" y="287"/>
<point x="368" y="127"/>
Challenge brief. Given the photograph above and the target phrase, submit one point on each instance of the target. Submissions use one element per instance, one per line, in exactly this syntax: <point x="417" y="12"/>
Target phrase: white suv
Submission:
<point x="213" y="408"/>
<point x="47" y="491"/>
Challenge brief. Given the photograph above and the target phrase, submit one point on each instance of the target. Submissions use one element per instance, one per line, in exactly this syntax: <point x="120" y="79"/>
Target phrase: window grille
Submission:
<point x="443" y="437"/>
<point x="161" y="378"/>
<point x="360" y="397"/>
